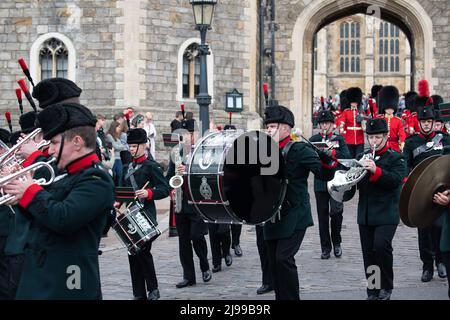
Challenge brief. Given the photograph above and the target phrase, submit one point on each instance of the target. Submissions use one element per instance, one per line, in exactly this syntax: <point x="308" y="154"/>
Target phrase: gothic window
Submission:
<point x="191" y="72"/>
<point x="53" y="59"/>
<point x="350" y="47"/>
<point x="389" y="48"/>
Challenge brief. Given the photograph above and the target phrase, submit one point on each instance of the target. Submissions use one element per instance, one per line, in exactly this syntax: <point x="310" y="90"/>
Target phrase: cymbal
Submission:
<point x="408" y="187"/>
<point x="422" y="211"/>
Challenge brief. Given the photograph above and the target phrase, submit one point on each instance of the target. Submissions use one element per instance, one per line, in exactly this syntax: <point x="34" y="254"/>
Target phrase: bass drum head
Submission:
<point x="253" y="181"/>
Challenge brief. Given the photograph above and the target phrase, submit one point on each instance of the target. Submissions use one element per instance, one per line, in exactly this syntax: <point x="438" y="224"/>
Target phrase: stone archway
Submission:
<point x="409" y="15"/>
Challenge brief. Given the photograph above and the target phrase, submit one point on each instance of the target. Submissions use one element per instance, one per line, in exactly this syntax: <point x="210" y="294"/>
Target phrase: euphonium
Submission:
<point x="20" y="173"/>
<point x="343" y="186"/>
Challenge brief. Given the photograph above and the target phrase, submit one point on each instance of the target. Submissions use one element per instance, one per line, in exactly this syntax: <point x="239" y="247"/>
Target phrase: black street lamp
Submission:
<point x="203" y="15"/>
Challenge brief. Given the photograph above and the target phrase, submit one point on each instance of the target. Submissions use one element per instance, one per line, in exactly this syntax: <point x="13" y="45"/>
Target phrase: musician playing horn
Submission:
<point x="378" y="216"/>
<point x="145" y="170"/>
<point x="67" y="222"/>
<point x="328" y="208"/>
<point x="285" y="233"/>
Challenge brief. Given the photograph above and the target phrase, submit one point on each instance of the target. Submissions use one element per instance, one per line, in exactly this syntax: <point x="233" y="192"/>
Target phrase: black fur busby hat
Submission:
<point x="325" y="116"/>
<point x="388" y="98"/>
<point x="437" y="100"/>
<point x="137" y="136"/>
<point x="5" y="135"/>
<point x="64" y="116"/>
<point x="426" y="113"/>
<point x="343" y="100"/>
<point x="55" y="90"/>
<point x="377" y="125"/>
<point x="189" y="125"/>
<point x="375" y="90"/>
<point x="354" y="95"/>
<point x="27" y="121"/>
<point x="409" y="100"/>
<point x="279" y="114"/>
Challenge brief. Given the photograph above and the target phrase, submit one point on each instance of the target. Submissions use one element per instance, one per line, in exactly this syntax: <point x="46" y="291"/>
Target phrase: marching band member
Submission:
<point x="443" y="199"/>
<point x="67" y="222"/>
<point x="327" y="207"/>
<point x="438" y="122"/>
<point x="378" y="217"/>
<point x="417" y="148"/>
<point x="190" y="226"/>
<point x="410" y="114"/>
<point x="388" y="103"/>
<point x="146" y="172"/>
<point x="285" y="233"/>
<point x="350" y="125"/>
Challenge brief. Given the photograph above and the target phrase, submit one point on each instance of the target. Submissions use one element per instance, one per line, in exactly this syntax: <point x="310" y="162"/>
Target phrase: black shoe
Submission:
<point x="153" y="295"/>
<point x="442" y="271"/>
<point x="427" y="275"/>
<point x="216" y="268"/>
<point x="173" y="232"/>
<point x="325" y="255"/>
<point x="337" y="251"/>
<point x="264" y="289"/>
<point x="385" y="294"/>
<point x="207" y="275"/>
<point x="139" y="298"/>
<point x="372" y="294"/>
<point x="185" y="283"/>
<point x="228" y="260"/>
<point x="238" y="250"/>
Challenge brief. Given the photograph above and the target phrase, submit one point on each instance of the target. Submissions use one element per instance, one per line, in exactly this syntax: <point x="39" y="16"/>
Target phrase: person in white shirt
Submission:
<point x="149" y="127"/>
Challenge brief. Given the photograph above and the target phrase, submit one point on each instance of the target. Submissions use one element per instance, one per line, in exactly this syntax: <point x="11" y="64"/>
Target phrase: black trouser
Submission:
<point x="355" y="149"/>
<point x="143" y="272"/>
<point x="263" y="257"/>
<point x="281" y="254"/>
<point x="191" y="234"/>
<point x="376" y="244"/>
<point x="446" y="260"/>
<point x="328" y="208"/>
<point x="10" y="272"/>
<point x="429" y="239"/>
<point x="235" y="234"/>
<point x="220" y="240"/>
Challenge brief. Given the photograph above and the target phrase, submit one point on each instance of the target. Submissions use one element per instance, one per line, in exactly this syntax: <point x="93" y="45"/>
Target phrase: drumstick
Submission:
<point x="145" y="185"/>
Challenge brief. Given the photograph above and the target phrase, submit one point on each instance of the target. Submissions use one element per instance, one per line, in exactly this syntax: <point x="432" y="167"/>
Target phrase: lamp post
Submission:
<point x="203" y="15"/>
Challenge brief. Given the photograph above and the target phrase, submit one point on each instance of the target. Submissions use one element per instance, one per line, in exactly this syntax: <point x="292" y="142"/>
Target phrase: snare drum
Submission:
<point x="236" y="177"/>
<point x="135" y="229"/>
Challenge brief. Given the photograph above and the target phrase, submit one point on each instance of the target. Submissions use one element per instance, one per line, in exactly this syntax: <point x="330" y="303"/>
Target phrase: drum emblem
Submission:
<point x="131" y="229"/>
<point x="205" y="189"/>
<point x="205" y="161"/>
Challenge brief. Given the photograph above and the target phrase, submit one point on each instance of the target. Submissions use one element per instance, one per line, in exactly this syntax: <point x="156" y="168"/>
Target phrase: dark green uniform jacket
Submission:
<point x="148" y="170"/>
<point x="67" y="222"/>
<point x="417" y="140"/>
<point x="341" y="152"/>
<point x="20" y="225"/>
<point x="296" y="211"/>
<point x="379" y="193"/>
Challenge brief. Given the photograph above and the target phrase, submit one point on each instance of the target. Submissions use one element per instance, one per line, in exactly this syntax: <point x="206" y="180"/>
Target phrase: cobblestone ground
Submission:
<point x="319" y="279"/>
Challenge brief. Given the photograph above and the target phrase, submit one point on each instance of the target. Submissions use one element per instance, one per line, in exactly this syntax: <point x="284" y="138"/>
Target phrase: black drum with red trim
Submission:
<point x="236" y="177"/>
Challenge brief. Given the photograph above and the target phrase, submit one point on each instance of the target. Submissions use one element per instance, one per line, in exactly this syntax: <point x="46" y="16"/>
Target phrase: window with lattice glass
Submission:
<point x="53" y="59"/>
<point x="191" y="72"/>
<point x="389" y="48"/>
<point x="350" y="47"/>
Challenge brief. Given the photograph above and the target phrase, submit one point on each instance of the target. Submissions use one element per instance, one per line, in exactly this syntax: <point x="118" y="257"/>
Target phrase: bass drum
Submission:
<point x="236" y="177"/>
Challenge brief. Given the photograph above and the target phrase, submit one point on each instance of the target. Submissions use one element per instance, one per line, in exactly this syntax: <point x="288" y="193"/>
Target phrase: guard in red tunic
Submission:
<point x="388" y="102"/>
<point x="373" y="101"/>
<point x="411" y="122"/>
<point x="350" y="122"/>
